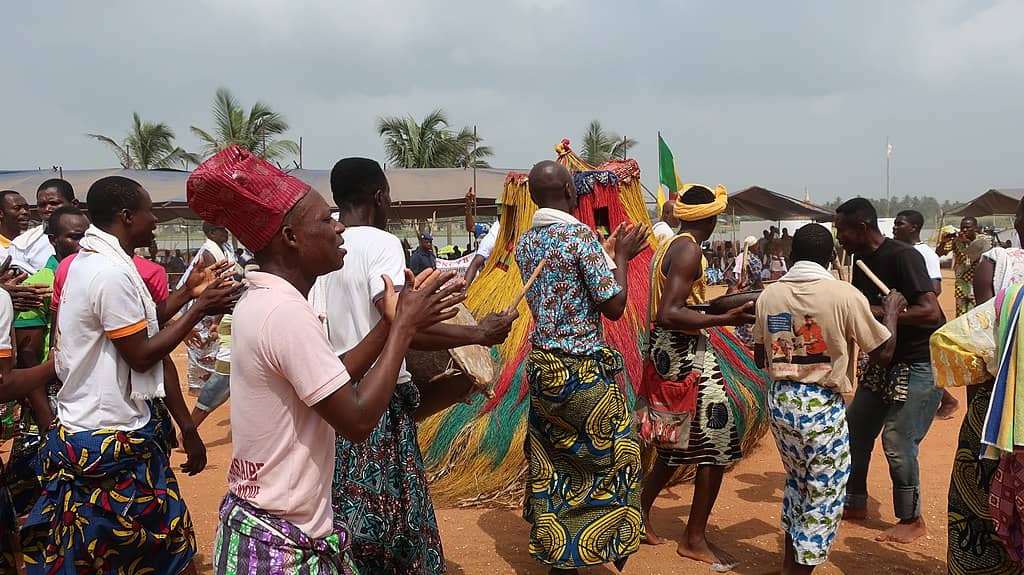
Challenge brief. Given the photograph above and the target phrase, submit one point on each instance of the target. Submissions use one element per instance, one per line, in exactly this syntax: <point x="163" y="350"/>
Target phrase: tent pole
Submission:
<point x="734" y="228"/>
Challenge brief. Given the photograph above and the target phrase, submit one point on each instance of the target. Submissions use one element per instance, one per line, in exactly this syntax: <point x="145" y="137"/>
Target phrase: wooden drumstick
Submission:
<point x="529" y="282"/>
<point x="871" y="276"/>
<point x="839" y="266"/>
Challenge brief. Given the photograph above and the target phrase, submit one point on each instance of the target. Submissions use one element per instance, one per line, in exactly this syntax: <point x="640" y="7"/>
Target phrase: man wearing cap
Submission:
<point x="291" y="392"/>
<point x="423" y="257"/>
<point x="110" y="501"/>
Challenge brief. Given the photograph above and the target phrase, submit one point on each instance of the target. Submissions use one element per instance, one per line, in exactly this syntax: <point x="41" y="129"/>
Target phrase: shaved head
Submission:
<point x="668" y="214"/>
<point x="551" y="186"/>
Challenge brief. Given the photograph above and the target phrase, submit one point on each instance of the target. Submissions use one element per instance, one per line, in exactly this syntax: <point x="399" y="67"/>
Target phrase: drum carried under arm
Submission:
<point x="445" y="378"/>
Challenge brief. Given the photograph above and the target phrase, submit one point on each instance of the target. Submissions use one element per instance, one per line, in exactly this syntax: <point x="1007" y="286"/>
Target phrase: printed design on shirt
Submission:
<point x="243" y="477"/>
<point x="798" y="349"/>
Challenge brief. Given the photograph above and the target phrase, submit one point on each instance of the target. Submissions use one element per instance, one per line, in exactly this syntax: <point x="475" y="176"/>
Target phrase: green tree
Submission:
<point x="600" y="145"/>
<point x="257" y="130"/>
<point x="430" y="143"/>
<point x="148" y="146"/>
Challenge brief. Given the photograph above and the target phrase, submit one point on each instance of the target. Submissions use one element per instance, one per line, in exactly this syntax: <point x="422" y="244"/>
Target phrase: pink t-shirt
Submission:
<point x="282" y="457"/>
<point x="153" y="274"/>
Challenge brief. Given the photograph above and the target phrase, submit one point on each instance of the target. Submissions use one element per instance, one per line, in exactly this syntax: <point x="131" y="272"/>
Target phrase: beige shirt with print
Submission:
<point x="809" y="329"/>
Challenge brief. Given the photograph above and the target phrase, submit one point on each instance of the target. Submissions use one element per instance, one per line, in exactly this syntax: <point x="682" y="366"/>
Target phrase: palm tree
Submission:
<point x="600" y="145"/>
<point x="148" y="147"/>
<point x="256" y="131"/>
<point x="430" y="143"/>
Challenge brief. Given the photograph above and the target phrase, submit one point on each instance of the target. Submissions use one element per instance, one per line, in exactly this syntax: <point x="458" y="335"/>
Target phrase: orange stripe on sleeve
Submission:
<point x="127" y="330"/>
<point x="5" y="353"/>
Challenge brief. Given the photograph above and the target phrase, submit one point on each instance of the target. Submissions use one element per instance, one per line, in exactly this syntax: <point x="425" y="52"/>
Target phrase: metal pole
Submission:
<point x="888" y="158"/>
<point x="472" y="238"/>
<point x="300" y="152"/>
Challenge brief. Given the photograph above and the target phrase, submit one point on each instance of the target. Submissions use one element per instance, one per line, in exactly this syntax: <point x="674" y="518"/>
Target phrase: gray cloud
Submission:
<point x="783" y="94"/>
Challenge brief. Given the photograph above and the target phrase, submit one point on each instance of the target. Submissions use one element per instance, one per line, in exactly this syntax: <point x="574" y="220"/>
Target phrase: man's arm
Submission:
<point x="201" y="277"/>
<point x="944" y="247"/>
<point x="474" y="268"/>
<point x="142" y="352"/>
<point x="984" y="280"/>
<point x="673" y="313"/>
<point x="29" y="341"/>
<point x="923" y="309"/>
<point x="19" y="383"/>
<point x="893" y="303"/>
<point x="354" y="410"/>
<point x="624" y="245"/>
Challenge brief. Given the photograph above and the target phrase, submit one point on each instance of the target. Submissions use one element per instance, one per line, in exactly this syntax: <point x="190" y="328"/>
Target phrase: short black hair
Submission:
<point x="208" y="227"/>
<point x="63" y="188"/>
<point x="813" y="242"/>
<point x="859" y="210"/>
<point x="354" y="181"/>
<point x="65" y="210"/>
<point x="5" y="193"/>
<point x="913" y="217"/>
<point x="971" y="219"/>
<point x="697" y="195"/>
<point x="108" y="196"/>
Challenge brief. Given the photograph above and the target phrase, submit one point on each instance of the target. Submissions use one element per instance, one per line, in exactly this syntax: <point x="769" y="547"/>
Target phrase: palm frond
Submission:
<point x="113" y="145"/>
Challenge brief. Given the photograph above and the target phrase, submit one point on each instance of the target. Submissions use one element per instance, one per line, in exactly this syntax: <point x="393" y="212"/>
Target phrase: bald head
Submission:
<point x="668" y="214"/>
<point x="551" y="186"/>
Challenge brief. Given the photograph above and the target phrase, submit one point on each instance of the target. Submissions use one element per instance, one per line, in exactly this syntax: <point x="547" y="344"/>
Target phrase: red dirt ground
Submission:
<point x="745" y="521"/>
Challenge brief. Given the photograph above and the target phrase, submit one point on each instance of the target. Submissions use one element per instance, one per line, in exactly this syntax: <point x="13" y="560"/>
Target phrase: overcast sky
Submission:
<point x="784" y="95"/>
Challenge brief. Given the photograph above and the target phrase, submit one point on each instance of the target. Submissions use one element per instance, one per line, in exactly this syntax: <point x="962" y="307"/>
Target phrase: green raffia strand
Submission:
<point x="455" y="420"/>
<point x="507" y="416"/>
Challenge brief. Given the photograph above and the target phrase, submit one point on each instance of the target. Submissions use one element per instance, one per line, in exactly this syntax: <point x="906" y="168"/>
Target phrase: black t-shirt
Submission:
<point x="902" y="268"/>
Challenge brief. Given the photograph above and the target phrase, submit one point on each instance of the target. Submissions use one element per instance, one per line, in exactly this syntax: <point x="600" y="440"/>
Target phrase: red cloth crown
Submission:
<point x="244" y="193"/>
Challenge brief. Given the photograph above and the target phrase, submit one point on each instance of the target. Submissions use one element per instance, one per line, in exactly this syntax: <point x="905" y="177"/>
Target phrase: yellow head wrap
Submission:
<point x="697" y="212"/>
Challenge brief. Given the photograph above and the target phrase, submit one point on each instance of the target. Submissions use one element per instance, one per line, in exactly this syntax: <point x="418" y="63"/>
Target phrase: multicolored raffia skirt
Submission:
<point x="251" y="541"/>
<point x="583" y="484"/>
<point x="109" y="504"/>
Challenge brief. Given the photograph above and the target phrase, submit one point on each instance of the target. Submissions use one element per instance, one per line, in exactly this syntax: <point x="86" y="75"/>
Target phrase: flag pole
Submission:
<point x="888" y="158"/>
<point x="472" y="237"/>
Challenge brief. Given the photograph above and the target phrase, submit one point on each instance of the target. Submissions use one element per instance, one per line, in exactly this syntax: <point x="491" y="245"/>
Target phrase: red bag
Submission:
<point x="665" y="409"/>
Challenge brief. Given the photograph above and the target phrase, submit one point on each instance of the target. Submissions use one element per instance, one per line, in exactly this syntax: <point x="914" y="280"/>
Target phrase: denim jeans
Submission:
<point x="215" y="392"/>
<point x="902" y="425"/>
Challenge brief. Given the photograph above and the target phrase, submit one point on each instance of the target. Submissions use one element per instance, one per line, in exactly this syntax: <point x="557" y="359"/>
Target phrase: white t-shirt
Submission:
<point x="352" y="292"/>
<point x="6" y="324"/>
<point x="32" y="257"/>
<point x="931" y="260"/>
<point x="282" y="458"/>
<point x="662" y="232"/>
<point x="487" y="244"/>
<point x="98" y="304"/>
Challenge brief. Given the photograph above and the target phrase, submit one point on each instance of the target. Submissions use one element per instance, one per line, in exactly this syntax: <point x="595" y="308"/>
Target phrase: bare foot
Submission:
<point x="719" y="560"/>
<point x="947" y="408"/>
<point x="855" y="514"/>
<point x="650" y="537"/>
<point x="904" y="532"/>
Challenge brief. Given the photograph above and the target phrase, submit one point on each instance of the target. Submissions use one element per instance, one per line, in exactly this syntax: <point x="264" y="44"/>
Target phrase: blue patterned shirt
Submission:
<point x="565" y="297"/>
